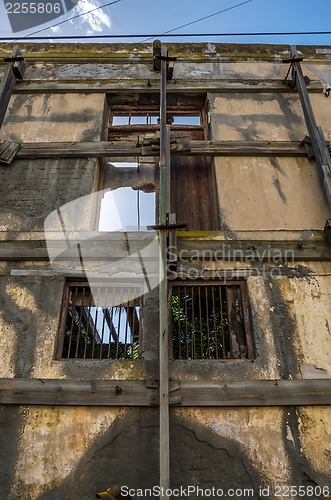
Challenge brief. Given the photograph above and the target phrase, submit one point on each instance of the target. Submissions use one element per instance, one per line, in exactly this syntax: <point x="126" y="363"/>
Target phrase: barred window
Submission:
<point x="92" y="327"/>
<point x="210" y="321"/>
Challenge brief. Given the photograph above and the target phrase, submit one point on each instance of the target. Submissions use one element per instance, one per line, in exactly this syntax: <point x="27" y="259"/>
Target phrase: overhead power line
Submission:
<point x="201" y="19"/>
<point x="160" y="35"/>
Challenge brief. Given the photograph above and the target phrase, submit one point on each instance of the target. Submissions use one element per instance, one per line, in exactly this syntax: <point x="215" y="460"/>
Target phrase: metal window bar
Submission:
<point x="210" y="321"/>
<point x="91" y="328"/>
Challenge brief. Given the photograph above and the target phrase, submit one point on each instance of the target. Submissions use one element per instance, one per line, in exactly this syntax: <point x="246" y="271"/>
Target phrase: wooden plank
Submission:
<point x="13" y="71"/>
<point x="192" y="393"/>
<point x="255" y="393"/>
<point x="321" y="152"/>
<point x="6" y="88"/>
<point x="252" y="251"/>
<point x="178" y="86"/>
<point x="180" y="148"/>
<point x="75" y="392"/>
<point x="164" y="210"/>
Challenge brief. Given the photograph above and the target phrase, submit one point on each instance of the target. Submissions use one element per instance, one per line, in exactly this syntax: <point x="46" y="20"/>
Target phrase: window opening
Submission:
<point x="127" y="209"/>
<point x="210" y="321"/>
<point x="93" y="328"/>
<point x="194" y="197"/>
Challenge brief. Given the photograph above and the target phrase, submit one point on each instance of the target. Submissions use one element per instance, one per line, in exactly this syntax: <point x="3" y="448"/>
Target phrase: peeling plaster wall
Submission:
<point x="263" y="117"/>
<point x="49" y="453"/>
<point x="55" y="118"/>
<point x="31" y="190"/>
<point x="269" y="193"/>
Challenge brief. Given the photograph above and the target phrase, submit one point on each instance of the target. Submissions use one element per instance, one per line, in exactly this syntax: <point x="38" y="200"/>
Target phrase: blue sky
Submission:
<point x="148" y="16"/>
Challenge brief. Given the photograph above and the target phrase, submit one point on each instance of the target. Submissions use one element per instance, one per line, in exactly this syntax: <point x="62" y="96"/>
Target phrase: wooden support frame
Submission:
<point x="14" y="72"/>
<point x="321" y="152"/>
<point x="104" y="149"/>
<point x="153" y="85"/>
<point x="204" y="246"/>
<point x="164" y="209"/>
<point x="189" y="393"/>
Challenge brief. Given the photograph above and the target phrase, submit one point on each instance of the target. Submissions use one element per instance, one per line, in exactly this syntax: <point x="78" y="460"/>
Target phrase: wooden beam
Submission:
<point x="204" y="248"/>
<point x="76" y="392"/>
<point x="193" y="393"/>
<point x="14" y="71"/>
<point x="153" y="85"/>
<point x="189" y="246"/>
<point x="321" y="152"/>
<point x="253" y="393"/>
<point x="102" y="149"/>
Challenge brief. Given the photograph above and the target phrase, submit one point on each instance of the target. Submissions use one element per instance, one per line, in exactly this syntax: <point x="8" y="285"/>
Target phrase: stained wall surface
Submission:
<point x="52" y="452"/>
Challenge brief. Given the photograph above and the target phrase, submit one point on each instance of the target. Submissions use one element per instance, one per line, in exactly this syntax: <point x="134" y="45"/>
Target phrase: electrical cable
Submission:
<point x="201" y="19"/>
<point x="175" y="35"/>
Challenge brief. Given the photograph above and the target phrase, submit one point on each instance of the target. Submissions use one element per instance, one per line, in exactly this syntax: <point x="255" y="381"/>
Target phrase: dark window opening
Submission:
<point x="92" y="327"/>
<point x="210" y="321"/>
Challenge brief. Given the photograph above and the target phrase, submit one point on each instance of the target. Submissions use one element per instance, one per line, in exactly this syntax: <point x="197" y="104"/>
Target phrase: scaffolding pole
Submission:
<point x="164" y="209"/>
<point x="321" y="152"/>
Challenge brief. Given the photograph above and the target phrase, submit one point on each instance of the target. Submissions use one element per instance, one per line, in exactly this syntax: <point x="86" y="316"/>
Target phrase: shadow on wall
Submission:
<point x="128" y="454"/>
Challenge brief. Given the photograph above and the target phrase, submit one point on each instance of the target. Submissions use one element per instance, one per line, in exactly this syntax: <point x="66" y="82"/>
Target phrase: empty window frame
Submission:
<point x="193" y="186"/>
<point x="210" y="321"/>
<point x="92" y="327"/>
<point x="131" y="124"/>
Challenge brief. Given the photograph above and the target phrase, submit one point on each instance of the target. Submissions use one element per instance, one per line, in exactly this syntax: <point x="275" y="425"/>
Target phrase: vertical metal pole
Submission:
<point x="164" y="208"/>
<point x="322" y="155"/>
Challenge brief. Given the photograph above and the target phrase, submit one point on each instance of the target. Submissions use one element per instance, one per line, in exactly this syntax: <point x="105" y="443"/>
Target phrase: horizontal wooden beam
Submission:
<point x="76" y="392"/>
<point x="204" y="248"/>
<point x="184" y="393"/>
<point x="115" y="149"/>
<point x="260" y="251"/>
<point x="252" y="393"/>
<point x="153" y="85"/>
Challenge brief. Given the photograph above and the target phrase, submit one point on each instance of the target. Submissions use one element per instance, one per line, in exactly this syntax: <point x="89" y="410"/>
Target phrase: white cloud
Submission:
<point x="97" y="19"/>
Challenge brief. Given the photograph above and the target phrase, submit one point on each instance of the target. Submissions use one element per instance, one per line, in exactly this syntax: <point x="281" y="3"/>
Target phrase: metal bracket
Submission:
<point x="165" y="58"/>
<point x="13" y="59"/>
<point x="306" y="143"/>
<point x="167" y="227"/>
<point x="158" y="58"/>
<point x="327" y="231"/>
<point x="174" y="399"/>
<point x="292" y="82"/>
<point x="8" y="151"/>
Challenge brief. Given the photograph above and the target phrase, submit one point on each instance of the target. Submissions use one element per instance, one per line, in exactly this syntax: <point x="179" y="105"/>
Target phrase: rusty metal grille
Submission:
<point x="92" y="328"/>
<point x="210" y="321"/>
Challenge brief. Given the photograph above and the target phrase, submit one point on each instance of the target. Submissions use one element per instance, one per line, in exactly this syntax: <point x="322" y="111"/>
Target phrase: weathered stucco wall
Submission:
<point x="30" y="190"/>
<point x="55" y="118"/>
<point x="74" y="452"/>
<point x="269" y="193"/>
<point x="49" y="453"/>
